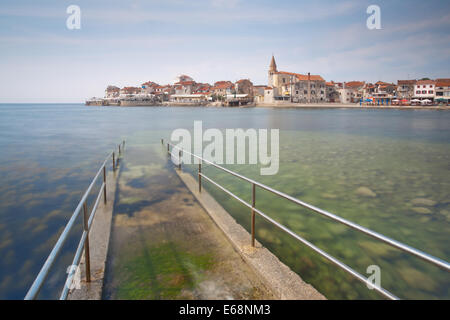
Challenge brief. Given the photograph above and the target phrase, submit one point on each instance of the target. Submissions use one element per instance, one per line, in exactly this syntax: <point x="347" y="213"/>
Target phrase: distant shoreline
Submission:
<point x="346" y="106"/>
<point x="285" y="106"/>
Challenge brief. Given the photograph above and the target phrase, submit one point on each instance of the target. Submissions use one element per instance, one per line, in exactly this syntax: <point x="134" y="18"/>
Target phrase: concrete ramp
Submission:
<point x="164" y="245"/>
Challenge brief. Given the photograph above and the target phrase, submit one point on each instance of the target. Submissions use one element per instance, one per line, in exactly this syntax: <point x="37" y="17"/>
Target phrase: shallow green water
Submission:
<point x="51" y="152"/>
<point x="405" y="196"/>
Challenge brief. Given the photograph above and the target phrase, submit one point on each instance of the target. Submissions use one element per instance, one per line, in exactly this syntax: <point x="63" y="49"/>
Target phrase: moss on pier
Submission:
<point x="155" y="274"/>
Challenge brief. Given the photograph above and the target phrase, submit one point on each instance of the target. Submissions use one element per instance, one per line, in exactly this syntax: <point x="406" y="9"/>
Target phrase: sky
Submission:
<point x="126" y="43"/>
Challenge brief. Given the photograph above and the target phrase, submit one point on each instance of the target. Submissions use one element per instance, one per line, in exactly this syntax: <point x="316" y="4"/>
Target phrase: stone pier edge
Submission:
<point x="99" y="236"/>
<point x="279" y="278"/>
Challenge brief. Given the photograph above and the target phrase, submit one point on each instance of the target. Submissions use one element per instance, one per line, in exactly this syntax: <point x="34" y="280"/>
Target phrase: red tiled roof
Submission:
<point x="185" y="83"/>
<point x="354" y="84"/>
<point x="425" y="82"/>
<point x="405" y="82"/>
<point x="223" y="85"/>
<point x="442" y="82"/>
<point x="302" y="76"/>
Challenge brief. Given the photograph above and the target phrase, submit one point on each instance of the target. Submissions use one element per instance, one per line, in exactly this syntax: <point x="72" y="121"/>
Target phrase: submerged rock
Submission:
<point x="423" y="202"/>
<point x="422" y="210"/>
<point x="366" y="192"/>
<point x="328" y="196"/>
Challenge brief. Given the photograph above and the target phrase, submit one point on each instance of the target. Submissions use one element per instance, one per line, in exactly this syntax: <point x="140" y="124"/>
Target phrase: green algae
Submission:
<point x="157" y="273"/>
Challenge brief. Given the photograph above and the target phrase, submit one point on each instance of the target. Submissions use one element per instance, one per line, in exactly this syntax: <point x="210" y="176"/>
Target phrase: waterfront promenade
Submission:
<point x="352" y="106"/>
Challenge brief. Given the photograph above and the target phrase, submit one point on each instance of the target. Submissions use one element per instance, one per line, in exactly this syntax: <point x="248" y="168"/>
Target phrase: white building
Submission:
<point x="425" y="89"/>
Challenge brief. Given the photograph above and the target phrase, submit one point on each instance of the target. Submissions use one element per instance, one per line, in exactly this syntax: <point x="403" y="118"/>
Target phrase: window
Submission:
<point x="424" y="91"/>
<point x="430" y="91"/>
<point x="418" y="92"/>
<point x="284" y="80"/>
<point x="296" y="92"/>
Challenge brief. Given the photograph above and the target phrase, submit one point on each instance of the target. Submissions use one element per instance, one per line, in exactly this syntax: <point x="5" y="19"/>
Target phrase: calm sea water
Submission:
<point x="51" y="152"/>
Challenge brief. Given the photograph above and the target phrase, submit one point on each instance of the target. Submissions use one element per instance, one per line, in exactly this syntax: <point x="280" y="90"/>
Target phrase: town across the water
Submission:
<point x="283" y="89"/>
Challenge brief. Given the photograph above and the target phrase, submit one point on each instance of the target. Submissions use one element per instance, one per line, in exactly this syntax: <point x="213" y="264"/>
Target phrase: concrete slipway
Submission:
<point x="168" y="241"/>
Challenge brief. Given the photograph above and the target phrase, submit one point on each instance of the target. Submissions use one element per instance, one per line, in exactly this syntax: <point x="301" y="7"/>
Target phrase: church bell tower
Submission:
<point x="272" y="71"/>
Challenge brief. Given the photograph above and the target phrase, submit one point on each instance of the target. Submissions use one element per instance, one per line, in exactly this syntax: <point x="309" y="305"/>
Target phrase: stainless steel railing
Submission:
<point x="35" y="288"/>
<point x="394" y="243"/>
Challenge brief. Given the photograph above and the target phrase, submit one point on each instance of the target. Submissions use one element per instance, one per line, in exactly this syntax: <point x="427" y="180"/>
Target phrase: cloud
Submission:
<point x="225" y="3"/>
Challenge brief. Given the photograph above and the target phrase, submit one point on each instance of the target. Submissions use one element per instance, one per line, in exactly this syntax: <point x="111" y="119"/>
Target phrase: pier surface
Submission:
<point x="164" y="245"/>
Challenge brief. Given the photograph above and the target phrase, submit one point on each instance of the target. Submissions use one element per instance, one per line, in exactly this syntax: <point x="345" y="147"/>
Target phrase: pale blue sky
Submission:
<point x="130" y="42"/>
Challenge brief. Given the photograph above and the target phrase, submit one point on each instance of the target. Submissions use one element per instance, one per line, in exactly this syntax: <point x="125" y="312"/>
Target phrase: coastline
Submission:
<point x="283" y="106"/>
<point x="346" y="106"/>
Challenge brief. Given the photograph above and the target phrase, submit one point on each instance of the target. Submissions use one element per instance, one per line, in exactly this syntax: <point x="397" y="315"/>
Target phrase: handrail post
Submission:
<point x="200" y="176"/>
<point x="168" y="150"/>
<point x="162" y="141"/>
<point x="104" y="181"/>
<point x="179" y="160"/>
<point x="87" y="257"/>
<point x="114" y="162"/>
<point x="253" y="213"/>
<point x="120" y="152"/>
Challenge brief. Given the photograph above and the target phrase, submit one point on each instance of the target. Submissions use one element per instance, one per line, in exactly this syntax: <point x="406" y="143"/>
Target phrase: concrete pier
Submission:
<point x="99" y="241"/>
<point x="279" y="278"/>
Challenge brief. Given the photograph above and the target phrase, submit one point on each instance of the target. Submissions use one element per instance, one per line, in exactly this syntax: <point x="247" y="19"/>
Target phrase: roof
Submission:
<point x="150" y="84"/>
<point x="354" y="84"/>
<point x="273" y="65"/>
<point x="425" y="82"/>
<point x="442" y="82"/>
<point x="112" y="88"/>
<point x="302" y="77"/>
<point x="185" y="83"/>
<point x="406" y="82"/>
<point x="223" y="85"/>
<point x="384" y="83"/>
<point x="131" y="89"/>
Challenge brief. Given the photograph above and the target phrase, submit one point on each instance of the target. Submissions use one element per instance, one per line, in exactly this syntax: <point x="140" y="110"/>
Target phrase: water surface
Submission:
<point x="51" y="152"/>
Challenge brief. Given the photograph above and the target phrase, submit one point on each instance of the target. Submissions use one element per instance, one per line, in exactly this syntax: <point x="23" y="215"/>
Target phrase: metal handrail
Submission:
<point x="35" y="288"/>
<point x="403" y="247"/>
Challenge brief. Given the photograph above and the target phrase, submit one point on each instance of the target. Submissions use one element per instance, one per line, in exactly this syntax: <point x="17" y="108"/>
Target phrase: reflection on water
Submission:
<point x="384" y="169"/>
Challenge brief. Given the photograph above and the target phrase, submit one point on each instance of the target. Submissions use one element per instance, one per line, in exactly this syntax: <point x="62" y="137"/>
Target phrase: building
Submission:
<point x="351" y="92"/>
<point x="425" y="90"/>
<point x="258" y="93"/>
<point x="331" y="92"/>
<point x="223" y="88"/>
<point x="149" y="87"/>
<point x="129" y="91"/>
<point x="269" y="94"/>
<point x="189" y="99"/>
<point x="295" y="87"/>
<point x="185" y="86"/>
<point x="112" y="92"/>
<point x="203" y="88"/>
<point x="405" y="89"/>
<point x="443" y="90"/>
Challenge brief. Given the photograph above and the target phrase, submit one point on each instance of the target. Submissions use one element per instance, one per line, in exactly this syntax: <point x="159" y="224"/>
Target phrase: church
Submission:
<point x="289" y="87"/>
